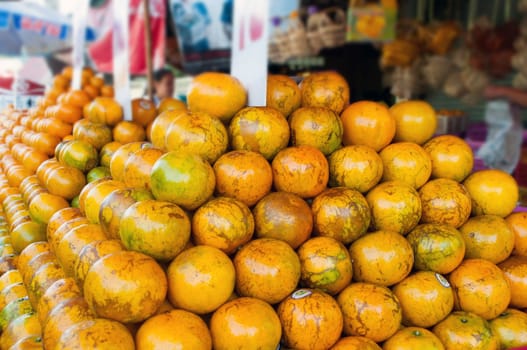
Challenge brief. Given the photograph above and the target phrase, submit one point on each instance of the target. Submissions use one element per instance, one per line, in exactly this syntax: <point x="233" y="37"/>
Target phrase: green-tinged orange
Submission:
<point x="325" y="89"/>
<point x="511" y="328"/>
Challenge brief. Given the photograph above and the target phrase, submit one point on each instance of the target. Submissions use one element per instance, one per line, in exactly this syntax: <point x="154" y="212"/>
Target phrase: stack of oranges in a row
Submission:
<point x="311" y="223"/>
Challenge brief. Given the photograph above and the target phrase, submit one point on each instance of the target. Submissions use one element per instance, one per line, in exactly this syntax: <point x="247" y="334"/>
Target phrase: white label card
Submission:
<point x="121" y="56"/>
<point x="79" y="39"/>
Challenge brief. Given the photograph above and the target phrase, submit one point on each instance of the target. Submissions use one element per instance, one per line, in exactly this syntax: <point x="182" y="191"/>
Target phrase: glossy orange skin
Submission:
<point x="244" y="175"/>
<point x="284" y="216"/>
<point x="381" y="257"/>
<point x="416" y="121"/>
<point x="311" y="319"/>
<point x="302" y="170"/>
<point x="184" y="179"/>
<point x="126" y="132"/>
<point x="325" y="264"/>
<point x="143" y="111"/>
<point x="515" y="269"/>
<point x="452" y="157"/>
<point x="25" y="233"/>
<point x="96" y="333"/>
<point x="29" y="269"/>
<point x="218" y="94"/>
<point x="426" y="298"/>
<point x="511" y="328"/>
<point x="413" y="338"/>
<point x="125" y="286"/>
<point x="480" y="287"/>
<point x="357" y="167"/>
<point x="139" y="165"/>
<point x="259" y="129"/>
<point x="9" y="278"/>
<point x="160" y="126"/>
<point x="437" y="247"/>
<point x="97" y="173"/>
<point x="156" y="228"/>
<point x="316" y="126"/>
<point x="44" y="205"/>
<point x="58" y="292"/>
<point x="55" y="237"/>
<point x="224" y="223"/>
<point x="90" y="253"/>
<point x="175" y="328"/>
<point x="12" y="292"/>
<point x="368" y="123"/>
<point x="96" y="134"/>
<point x="121" y="155"/>
<point x="28" y="343"/>
<point x="355" y="343"/>
<point x="466" y="331"/>
<point x="114" y="205"/>
<point x="395" y="206"/>
<point x="283" y="93"/>
<point x="487" y="237"/>
<point x="199" y="133"/>
<point x="61" y="217"/>
<point x="493" y="192"/>
<point x="90" y="201"/>
<point x="24" y="257"/>
<point x="42" y="278"/>
<point x="66" y="182"/>
<point x="445" y="201"/>
<point x="341" y="213"/>
<point x="200" y="279"/>
<point x="107" y="151"/>
<point x="245" y="323"/>
<point x="518" y="224"/>
<point x="267" y="269"/>
<point x="365" y="306"/>
<point x="170" y="104"/>
<point x="78" y="154"/>
<point x="407" y="162"/>
<point x="325" y="89"/>
<point x="25" y="325"/>
<point x="104" y="110"/>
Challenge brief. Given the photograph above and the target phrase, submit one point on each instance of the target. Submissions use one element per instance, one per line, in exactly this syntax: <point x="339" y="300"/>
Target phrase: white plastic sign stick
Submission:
<point x="121" y="56"/>
<point x="250" y="47"/>
<point x="79" y="39"/>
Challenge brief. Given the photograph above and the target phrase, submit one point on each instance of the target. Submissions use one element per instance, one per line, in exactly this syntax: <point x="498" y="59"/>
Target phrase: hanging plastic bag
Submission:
<point x="502" y="148"/>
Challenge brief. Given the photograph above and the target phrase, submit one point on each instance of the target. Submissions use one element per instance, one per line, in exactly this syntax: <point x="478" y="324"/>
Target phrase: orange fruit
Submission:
<point x="104" y="110"/>
<point x="61" y="217"/>
<point x="283" y="93"/>
<point x="355" y="343"/>
<point x="413" y="338"/>
<point x="10" y="277"/>
<point x="66" y="182"/>
<point x="97" y="173"/>
<point x="223" y="222"/>
<point x="90" y="253"/>
<point x="127" y="132"/>
<point x="139" y="165"/>
<point x="121" y="155"/>
<point x="518" y="224"/>
<point x="115" y="204"/>
<point x="12" y="292"/>
<point x="25" y="325"/>
<point x="340" y="213"/>
<point x="493" y="192"/>
<point x="96" y="134"/>
<point x="44" y="205"/>
<point x="184" y="179"/>
<point x="107" y="91"/>
<point x="13" y="310"/>
<point x="125" y="286"/>
<point x="107" y="151"/>
<point x="278" y="271"/>
<point x="480" y="287"/>
<point x="365" y="306"/>
<point x="316" y="126"/>
<point x="155" y="228"/>
<point x="381" y="257"/>
<point x="244" y="175"/>
<point x="79" y="154"/>
<point x="407" y="162"/>
<point x="245" y="323"/>
<point x="160" y="126"/>
<point x="325" y="89"/>
<point x="28" y="343"/>
<point x="54" y="237"/>
<point x="179" y="328"/>
<point x="68" y="113"/>
<point x="170" y="104"/>
<point x="98" y="333"/>
<point x="259" y="129"/>
<point x="311" y="319"/>
<point x="487" y="237"/>
<point x="24" y="257"/>
<point x="77" y="98"/>
<point x="437" y="247"/>
<point x="26" y="233"/>
<point x="58" y="292"/>
<point x="325" y="264"/>
<point x="200" y="279"/>
<point x="465" y="330"/>
<point x="445" y="201"/>
<point x="452" y="157"/>
<point x="415" y="121"/>
<point x="395" y="206"/>
<point x="199" y="133"/>
<point x="284" y="216"/>
<point x="358" y="167"/>
<point x="515" y="269"/>
<point x="43" y="277"/>
<point x="302" y="170"/>
<point x="511" y="328"/>
<point x="218" y="94"/>
<point x="143" y="111"/>
<point x="426" y="298"/>
<point x="90" y="201"/>
<point x="368" y="123"/>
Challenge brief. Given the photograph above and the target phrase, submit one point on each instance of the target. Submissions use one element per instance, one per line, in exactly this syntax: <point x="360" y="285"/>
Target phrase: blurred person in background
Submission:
<point x="163" y="85"/>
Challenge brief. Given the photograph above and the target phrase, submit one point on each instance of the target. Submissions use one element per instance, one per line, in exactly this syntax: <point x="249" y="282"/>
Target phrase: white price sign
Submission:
<point x="250" y="48"/>
<point x="121" y="56"/>
<point x="79" y="38"/>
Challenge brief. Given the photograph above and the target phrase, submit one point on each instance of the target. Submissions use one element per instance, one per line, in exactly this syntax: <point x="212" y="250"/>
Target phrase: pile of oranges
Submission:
<point x="310" y="223"/>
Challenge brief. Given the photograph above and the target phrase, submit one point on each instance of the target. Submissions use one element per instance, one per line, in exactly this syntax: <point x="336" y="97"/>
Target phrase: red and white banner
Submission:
<point x="101" y="19"/>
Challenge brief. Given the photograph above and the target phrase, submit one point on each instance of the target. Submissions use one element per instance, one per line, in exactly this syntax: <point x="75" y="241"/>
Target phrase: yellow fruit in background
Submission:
<point x="407" y="162"/>
<point x="283" y="93"/>
<point x="415" y="120"/>
<point x="325" y="89"/>
<point x="452" y="157"/>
